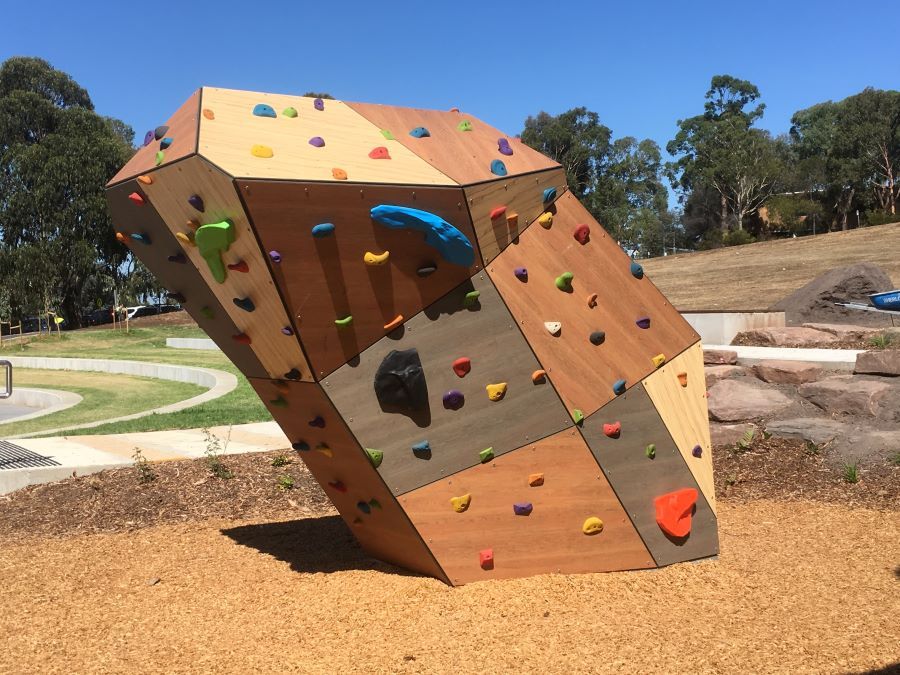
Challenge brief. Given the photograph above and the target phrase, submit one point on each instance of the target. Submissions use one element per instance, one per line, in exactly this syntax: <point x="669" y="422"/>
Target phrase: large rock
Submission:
<point x="881" y="362"/>
<point x="846" y="394"/>
<point x="739" y="399"/>
<point x="814" y="429"/>
<point x="729" y="434"/>
<point x="844" y="331"/>
<point x="789" y="336"/>
<point x="716" y="373"/>
<point x="715" y="357"/>
<point x="787" y="372"/>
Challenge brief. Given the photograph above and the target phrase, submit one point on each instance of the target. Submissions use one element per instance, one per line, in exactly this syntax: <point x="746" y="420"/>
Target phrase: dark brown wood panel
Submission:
<point x="324" y="279"/>
<point x="549" y="539"/>
<point x="465" y="156"/>
<point x="583" y="372"/>
<point x="385" y="532"/>
<point x="444" y="332"/>
<point x="637" y="479"/>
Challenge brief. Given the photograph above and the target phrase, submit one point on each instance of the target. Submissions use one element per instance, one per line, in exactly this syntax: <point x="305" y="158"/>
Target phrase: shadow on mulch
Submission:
<point x="893" y="669"/>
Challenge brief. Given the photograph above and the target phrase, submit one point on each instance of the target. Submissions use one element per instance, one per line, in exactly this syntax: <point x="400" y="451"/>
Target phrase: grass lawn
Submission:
<point x="147" y="344"/>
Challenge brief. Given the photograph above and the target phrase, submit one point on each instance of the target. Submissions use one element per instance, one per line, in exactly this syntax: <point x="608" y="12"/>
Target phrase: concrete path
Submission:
<point x="82" y="455"/>
<point x="831" y="359"/>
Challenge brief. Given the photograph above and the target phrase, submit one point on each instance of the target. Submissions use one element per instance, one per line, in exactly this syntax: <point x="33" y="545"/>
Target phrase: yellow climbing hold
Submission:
<point x="592" y="525"/>
<point x="460" y="504"/>
<point x="546" y="220"/>
<point x="658" y="360"/>
<point x="186" y="239"/>
<point x="324" y="449"/>
<point x="376" y="258"/>
<point x="512" y="220"/>
<point x="263" y="151"/>
<point x="496" y="392"/>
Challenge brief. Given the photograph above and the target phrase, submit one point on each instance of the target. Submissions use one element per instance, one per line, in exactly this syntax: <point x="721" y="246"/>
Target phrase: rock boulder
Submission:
<point x="790" y="336"/>
<point x="715" y="357"/>
<point x="846" y="394"/>
<point x="739" y="399"/>
<point x="880" y="362"/>
<point x="787" y="372"/>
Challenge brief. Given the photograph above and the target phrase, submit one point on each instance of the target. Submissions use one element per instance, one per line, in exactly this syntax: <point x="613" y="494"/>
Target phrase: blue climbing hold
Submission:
<point x="549" y="194"/>
<point x="636" y="270"/>
<point x="264" y="110"/>
<point x="422" y="448"/>
<point x="245" y="304"/>
<point x="165" y="143"/>
<point x="498" y="168"/>
<point x="143" y="238"/>
<point x="420" y="132"/>
<point x="323" y="230"/>
<point x="450" y="242"/>
<point x="619" y="387"/>
<point x="364" y="507"/>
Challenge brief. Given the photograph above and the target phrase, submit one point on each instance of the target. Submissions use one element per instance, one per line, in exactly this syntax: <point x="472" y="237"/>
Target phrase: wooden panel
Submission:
<point x="684" y="412"/>
<point x="465" y="156"/>
<point x="385" y="532"/>
<point x="178" y="277"/>
<point x="323" y="279"/>
<point x="227" y="140"/>
<point x="582" y="372"/>
<point x="550" y="538"/>
<point x="183" y="130"/>
<point x="638" y="479"/>
<point x="443" y="333"/>
<point x="522" y="195"/>
<point x="169" y="193"/>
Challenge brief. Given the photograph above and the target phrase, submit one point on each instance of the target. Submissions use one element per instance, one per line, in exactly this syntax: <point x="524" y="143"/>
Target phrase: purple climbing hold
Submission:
<point x="197" y="202"/>
<point x="521" y="273"/>
<point x="319" y="104"/>
<point x="503" y="147"/>
<point x="697" y="451"/>
<point x="523" y="508"/>
<point x="160" y="132"/>
<point x="287" y="330"/>
<point x="148" y="138"/>
<point x="643" y="322"/>
<point x="317" y="421"/>
<point x="317" y="142"/>
<point x="275" y="256"/>
<point x="454" y="399"/>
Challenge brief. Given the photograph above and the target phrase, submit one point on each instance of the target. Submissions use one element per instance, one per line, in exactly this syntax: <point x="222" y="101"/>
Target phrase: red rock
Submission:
<point x="844" y="331"/>
<point x="714" y="357"/>
<point x="846" y="394"/>
<point x="739" y="399"/>
<point x="789" y="336"/>
<point x="881" y="362"/>
<point x="716" y="373"/>
<point x="787" y="372"/>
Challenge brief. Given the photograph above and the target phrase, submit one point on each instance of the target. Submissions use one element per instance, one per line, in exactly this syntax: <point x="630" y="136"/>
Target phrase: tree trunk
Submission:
<point x="723" y="215"/>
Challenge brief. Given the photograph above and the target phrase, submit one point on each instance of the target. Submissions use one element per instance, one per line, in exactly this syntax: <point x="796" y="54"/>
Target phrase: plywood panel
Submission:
<point x="582" y="372"/>
<point x="323" y="279"/>
<point x="521" y="195"/>
<point x="550" y="538"/>
<point x="169" y="193"/>
<point x="385" y="532"/>
<point x="684" y="411"/>
<point x="637" y="479"/>
<point x="227" y="139"/>
<point x="181" y="278"/>
<point x="465" y="156"/>
<point x="183" y="129"/>
<point x="444" y="332"/>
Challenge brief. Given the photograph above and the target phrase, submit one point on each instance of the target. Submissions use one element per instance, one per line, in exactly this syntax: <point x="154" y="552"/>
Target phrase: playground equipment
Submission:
<point x="479" y="378"/>
<point x="12" y="327"/>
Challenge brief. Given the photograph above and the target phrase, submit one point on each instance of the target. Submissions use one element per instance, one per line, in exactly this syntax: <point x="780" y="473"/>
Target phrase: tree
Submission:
<point x="313" y="94"/>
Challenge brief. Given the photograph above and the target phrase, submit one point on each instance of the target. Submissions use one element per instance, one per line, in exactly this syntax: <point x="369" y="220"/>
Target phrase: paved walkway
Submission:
<point x="831" y="359"/>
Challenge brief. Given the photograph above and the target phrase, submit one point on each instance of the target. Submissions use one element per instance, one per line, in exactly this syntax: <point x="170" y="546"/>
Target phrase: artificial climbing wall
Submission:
<point x="478" y="377"/>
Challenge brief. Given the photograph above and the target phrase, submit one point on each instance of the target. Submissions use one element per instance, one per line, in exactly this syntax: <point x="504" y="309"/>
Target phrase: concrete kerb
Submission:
<point x="830" y="359"/>
<point x="192" y="343"/>
<point x="47" y="401"/>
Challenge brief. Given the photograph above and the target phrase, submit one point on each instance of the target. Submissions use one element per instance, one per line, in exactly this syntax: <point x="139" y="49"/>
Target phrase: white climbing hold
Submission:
<point x="553" y="327"/>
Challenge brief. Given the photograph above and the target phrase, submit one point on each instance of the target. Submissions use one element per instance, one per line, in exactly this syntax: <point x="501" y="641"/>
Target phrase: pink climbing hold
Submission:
<point x="612" y="430"/>
<point x="486" y="559"/>
<point x="338" y="485"/>
<point x="380" y="152"/>
<point x="582" y="234"/>
<point x="136" y="198"/>
<point x="239" y="266"/>
<point x="462" y="366"/>
<point x="496" y="213"/>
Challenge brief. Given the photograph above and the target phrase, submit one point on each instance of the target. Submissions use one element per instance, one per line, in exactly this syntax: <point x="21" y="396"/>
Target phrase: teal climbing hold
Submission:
<point x="420" y="132"/>
<point x="450" y="242"/>
<point x="619" y="387"/>
<point x="245" y="304"/>
<point x="323" y="230"/>
<point x="471" y="299"/>
<point x="498" y="168"/>
<point x="364" y="507"/>
<point x="212" y="240"/>
<point x="165" y="143"/>
<point x="549" y="194"/>
<point x="264" y="110"/>
<point x="422" y="448"/>
<point x="636" y="270"/>
<point x="144" y="238"/>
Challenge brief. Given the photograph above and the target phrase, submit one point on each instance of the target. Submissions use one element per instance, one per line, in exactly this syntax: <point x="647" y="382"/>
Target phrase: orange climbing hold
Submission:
<point x="592" y="300"/>
<point x="538" y="376"/>
<point x="146" y="180"/>
<point x="486" y="559"/>
<point x="193" y="224"/>
<point x="380" y="152"/>
<point x="209" y="114"/>
<point x="682" y="379"/>
<point x="398" y="320"/>
<point x="282" y="387"/>
<point x="339" y="174"/>
<point x="239" y="266"/>
<point x="122" y="237"/>
<point x="674" y="511"/>
<point x="136" y="198"/>
<point x="462" y="366"/>
<point x="536" y="479"/>
<point x="242" y="338"/>
<point x="497" y="212"/>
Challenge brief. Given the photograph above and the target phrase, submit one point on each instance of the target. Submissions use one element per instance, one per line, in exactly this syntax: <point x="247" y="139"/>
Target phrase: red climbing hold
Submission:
<point x="582" y="234"/>
<point x="242" y="338"/>
<point x="496" y="213"/>
<point x="674" y="511"/>
<point x="612" y="430"/>
<point x="240" y="266"/>
<point x="462" y="366"/>
<point x="338" y="485"/>
<point x="380" y="152"/>
<point x="136" y="198"/>
<point x="486" y="559"/>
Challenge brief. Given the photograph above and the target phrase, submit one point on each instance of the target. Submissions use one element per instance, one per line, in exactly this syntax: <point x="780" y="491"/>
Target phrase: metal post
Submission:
<point x="9" y="379"/>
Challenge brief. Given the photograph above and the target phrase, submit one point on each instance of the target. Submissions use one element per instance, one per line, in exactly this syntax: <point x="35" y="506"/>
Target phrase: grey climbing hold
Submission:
<point x="427" y="270"/>
<point x="400" y="381"/>
<point x="160" y="132"/>
<point x="452" y="244"/>
<point x="598" y="337"/>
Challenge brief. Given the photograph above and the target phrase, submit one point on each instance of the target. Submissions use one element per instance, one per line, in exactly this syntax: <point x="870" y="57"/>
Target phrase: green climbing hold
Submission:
<point x="564" y="281"/>
<point x="577" y="416"/>
<point x="374" y="503"/>
<point x="486" y="455"/>
<point x="279" y="402"/>
<point x="160" y="156"/>
<point x="375" y="456"/>
<point x="471" y="299"/>
<point x="465" y="125"/>
<point x="346" y="321"/>
<point x="212" y="240"/>
<point x="289" y="112"/>
<point x="650" y="451"/>
<point x="207" y="312"/>
<point x="388" y="135"/>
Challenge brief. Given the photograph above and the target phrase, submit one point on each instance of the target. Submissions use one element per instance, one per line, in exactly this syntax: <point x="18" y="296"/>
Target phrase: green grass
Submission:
<point x="851" y="473"/>
<point x="148" y="344"/>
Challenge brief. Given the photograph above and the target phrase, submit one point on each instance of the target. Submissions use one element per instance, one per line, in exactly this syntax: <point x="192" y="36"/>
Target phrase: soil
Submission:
<point x="743" y="339"/>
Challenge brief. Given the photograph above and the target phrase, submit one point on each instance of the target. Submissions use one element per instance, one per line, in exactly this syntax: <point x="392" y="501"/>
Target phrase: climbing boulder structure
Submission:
<point x="479" y="378"/>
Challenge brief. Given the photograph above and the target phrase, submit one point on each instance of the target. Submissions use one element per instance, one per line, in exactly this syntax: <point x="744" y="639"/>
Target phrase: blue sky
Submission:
<point x="640" y="65"/>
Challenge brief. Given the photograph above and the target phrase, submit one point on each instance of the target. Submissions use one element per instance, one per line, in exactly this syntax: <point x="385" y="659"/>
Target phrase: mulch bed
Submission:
<point x="743" y="340"/>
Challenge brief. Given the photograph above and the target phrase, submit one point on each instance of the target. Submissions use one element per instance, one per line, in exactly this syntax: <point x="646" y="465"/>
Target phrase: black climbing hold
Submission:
<point x="426" y="270"/>
<point x="178" y="258"/>
<point x="160" y="132"/>
<point x="300" y="445"/>
<point x="245" y="304"/>
<point x="597" y="337"/>
<point x="400" y="381"/>
<point x="317" y="421"/>
<point x="292" y="374"/>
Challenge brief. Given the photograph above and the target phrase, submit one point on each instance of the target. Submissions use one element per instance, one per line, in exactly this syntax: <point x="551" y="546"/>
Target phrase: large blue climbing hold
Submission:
<point x="498" y="168"/>
<point x="264" y="110"/>
<point x="449" y="242"/>
<point x="323" y="230"/>
<point x="549" y="194"/>
<point x="636" y="270"/>
<point x="420" y="132"/>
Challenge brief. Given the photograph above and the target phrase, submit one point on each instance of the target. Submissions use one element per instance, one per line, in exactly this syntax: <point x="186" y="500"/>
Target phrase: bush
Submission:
<point x="881" y="218"/>
<point x="737" y="238"/>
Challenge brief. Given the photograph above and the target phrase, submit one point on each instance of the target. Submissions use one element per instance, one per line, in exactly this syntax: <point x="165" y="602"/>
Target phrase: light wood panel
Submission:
<point x="181" y="278"/>
<point x="227" y="140"/>
<point x="637" y="479"/>
<point x="582" y="372"/>
<point x="521" y="195"/>
<point x="385" y="533"/>
<point x="442" y="333"/>
<point x="684" y="412"/>
<point x="323" y="279"/>
<point x="550" y="538"/>
<point x="465" y="156"/>
<point x="183" y="130"/>
<point x="169" y="193"/>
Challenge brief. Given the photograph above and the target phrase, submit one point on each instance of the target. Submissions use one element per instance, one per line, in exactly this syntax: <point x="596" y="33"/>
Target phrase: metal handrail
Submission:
<point x="9" y="379"/>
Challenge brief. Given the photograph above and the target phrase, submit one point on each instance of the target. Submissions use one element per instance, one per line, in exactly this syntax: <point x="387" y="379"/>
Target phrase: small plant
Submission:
<point x="812" y="448"/>
<point x="882" y="340"/>
<point x="730" y="480"/>
<point x="285" y="482"/>
<point x="894" y="459"/>
<point x="282" y="460"/>
<point x="214" y="449"/>
<point x="851" y="473"/>
<point x="145" y="472"/>
<point x="746" y="440"/>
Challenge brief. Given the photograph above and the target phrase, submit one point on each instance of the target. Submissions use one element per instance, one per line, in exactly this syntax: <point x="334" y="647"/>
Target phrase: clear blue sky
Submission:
<point x="640" y="65"/>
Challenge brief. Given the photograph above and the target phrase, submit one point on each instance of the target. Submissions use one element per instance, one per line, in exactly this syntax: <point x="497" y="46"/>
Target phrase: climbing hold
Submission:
<point x="160" y="157"/>
<point x="549" y="194"/>
<point x="419" y="132"/>
<point x="146" y="180"/>
<point x="148" y="138"/>
<point x="426" y="270"/>
<point x="287" y="330"/>
<point x="136" y="198"/>
<point x="317" y="142"/>
<point x="422" y="449"/>
<point x="122" y="237"/>
<point x="212" y="240"/>
<point x="523" y="508"/>
<point x="592" y="525"/>
<point x="289" y="112"/>
<point x="178" y="258"/>
<point x="452" y="244"/>
<point x="697" y="451"/>
<point x="460" y="504"/>
<point x="486" y="455"/>
<point x="262" y="151"/>
<point x="301" y="446"/>
<point x="618" y="387"/>
<point x="337" y="485"/>
<point x="400" y="381"/>
<point x="539" y="376"/>
<point x="650" y="451"/>
<point x="462" y="366"/>
<point x="395" y="323"/>
<point x="193" y="223"/>
<point x="281" y="387"/>
<point x="142" y="237"/>
<point x="343" y="323"/>
<point x="318" y="104"/>
<point x="374" y="503"/>
<point x="503" y="148"/>
<point x="643" y="322"/>
<point x="375" y="456"/>
<point x="564" y="282"/>
<point x="498" y="168"/>
<point x="486" y="559"/>
<point x="582" y="234"/>
<point x="376" y="258"/>
<point x="512" y="220"/>
<point x="364" y="507"/>
<point x="388" y="135"/>
<point x="318" y="421"/>
<point x="186" y="239"/>
<point x="242" y="338"/>
<point x="535" y="479"/>
<point x="658" y="360"/>
<point x="546" y="220"/>
<point x="239" y="266"/>
<point x="577" y="416"/>
<point x="160" y="132"/>
<point x="497" y="212"/>
<point x="165" y="143"/>
<point x="197" y="202"/>
<point x="323" y="230"/>
<point x="338" y="174"/>
<point x="553" y="327"/>
<point x="380" y="152"/>
<point x="592" y="300"/>
<point x="612" y="430"/>
<point x="264" y="110"/>
<point x="682" y="379"/>
<point x="275" y="256"/>
<point x="177" y="297"/>
<point x="521" y="273"/>
<point x="209" y="114"/>
<point x="636" y="270"/>
<point x="357" y="521"/>
<point x="454" y="399"/>
<point x="496" y="392"/>
<point x="598" y="337"/>
<point x="292" y="374"/>
<point x="279" y="402"/>
<point x="465" y="125"/>
<point x="471" y="299"/>
<point x="207" y="312"/>
<point x="245" y="304"/>
<point x="674" y="511"/>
